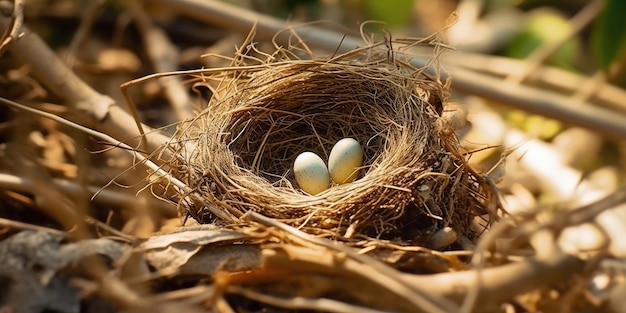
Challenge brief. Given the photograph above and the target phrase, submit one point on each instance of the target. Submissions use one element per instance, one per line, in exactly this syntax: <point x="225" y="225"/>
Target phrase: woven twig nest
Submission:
<point x="262" y="116"/>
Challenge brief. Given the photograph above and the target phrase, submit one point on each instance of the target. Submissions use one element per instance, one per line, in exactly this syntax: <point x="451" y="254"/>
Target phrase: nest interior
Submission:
<point x="262" y="116"/>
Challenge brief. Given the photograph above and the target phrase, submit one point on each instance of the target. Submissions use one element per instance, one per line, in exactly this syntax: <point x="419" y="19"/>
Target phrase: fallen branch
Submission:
<point x="380" y="273"/>
<point x="117" y="198"/>
<point x="496" y="285"/>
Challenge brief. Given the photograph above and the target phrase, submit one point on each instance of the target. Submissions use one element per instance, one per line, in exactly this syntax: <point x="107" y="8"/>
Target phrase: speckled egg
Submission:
<point x="311" y="173"/>
<point x="344" y="160"/>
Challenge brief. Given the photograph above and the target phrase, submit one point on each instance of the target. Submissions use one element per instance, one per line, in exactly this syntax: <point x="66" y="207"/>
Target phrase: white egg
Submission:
<point x="311" y="173"/>
<point x="344" y="160"/>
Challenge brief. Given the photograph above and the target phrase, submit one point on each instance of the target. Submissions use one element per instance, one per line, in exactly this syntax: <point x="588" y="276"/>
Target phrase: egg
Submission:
<point x="311" y="173"/>
<point x="344" y="160"/>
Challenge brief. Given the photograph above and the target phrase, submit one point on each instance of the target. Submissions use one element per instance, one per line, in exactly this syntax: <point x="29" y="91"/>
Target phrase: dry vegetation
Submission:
<point x="175" y="192"/>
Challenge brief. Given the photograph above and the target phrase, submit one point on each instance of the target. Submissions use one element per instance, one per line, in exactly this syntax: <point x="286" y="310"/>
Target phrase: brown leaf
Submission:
<point x="172" y="251"/>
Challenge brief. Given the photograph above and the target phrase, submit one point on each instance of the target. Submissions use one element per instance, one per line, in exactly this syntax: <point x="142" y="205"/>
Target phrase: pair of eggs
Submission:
<point x="344" y="161"/>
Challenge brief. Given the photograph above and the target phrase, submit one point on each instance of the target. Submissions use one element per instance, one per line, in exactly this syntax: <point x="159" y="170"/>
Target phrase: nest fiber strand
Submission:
<point x="263" y="115"/>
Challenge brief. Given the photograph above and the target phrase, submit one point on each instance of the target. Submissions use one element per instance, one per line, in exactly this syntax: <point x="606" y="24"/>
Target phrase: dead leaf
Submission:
<point x="42" y="250"/>
<point x="172" y="251"/>
<point x="230" y="258"/>
<point x="21" y="291"/>
<point x="30" y="262"/>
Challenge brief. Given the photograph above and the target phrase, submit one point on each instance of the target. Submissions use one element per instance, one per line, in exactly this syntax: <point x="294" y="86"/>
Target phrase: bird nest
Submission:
<point x="239" y="152"/>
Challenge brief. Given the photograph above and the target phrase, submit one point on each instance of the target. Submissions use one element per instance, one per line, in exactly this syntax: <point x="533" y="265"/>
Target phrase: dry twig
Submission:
<point x="164" y="57"/>
<point x="88" y="17"/>
<point x="600" y="94"/>
<point x="10" y="182"/>
<point x="17" y="20"/>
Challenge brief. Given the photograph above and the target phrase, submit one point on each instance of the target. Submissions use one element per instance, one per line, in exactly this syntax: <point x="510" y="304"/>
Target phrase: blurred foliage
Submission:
<point x="535" y="125"/>
<point x="394" y="14"/>
<point x="544" y="27"/>
<point x="609" y="35"/>
<point x="569" y="6"/>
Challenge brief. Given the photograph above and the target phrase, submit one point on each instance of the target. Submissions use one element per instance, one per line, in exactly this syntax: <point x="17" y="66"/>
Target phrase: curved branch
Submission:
<point x="496" y="284"/>
<point x="502" y="283"/>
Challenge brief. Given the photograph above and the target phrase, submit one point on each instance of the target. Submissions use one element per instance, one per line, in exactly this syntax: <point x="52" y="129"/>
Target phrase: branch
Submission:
<point x="237" y="19"/>
<point x="17" y="20"/>
<point x="503" y="282"/>
<point x="21" y="184"/>
<point x="567" y="110"/>
<point x="377" y="272"/>
<point x="496" y="284"/>
<point x="606" y="95"/>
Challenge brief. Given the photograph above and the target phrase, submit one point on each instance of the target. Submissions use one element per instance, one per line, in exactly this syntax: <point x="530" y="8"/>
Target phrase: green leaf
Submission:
<point x="609" y="34"/>
<point x="395" y="13"/>
<point x="543" y="27"/>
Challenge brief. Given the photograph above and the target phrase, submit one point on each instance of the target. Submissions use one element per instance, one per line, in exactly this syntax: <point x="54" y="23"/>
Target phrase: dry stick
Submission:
<point x="386" y="276"/>
<point x="184" y="189"/>
<point x="164" y="57"/>
<point x="21" y="184"/>
<point x="222" y="306"/>
<point x="558" y="262"/>
<point x="499" y="283"/>
<point x="300" y="303"/>
<point x="591" y="86"/>
<point x="111" y="230"/>
<point x="606" y="95"/>
<point x="52" y="203"/>
<point x="523" y="97"/>
<point x="17" y="20"/>
<point x="578" y="22"/>
<point x="25" y="226"/>
<point x="607" y="122"/>
<point x="199" y="293"/>
<point x="50" y="71"/>
<point x="578" y="216"/>
<point x="88" y="17"/>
